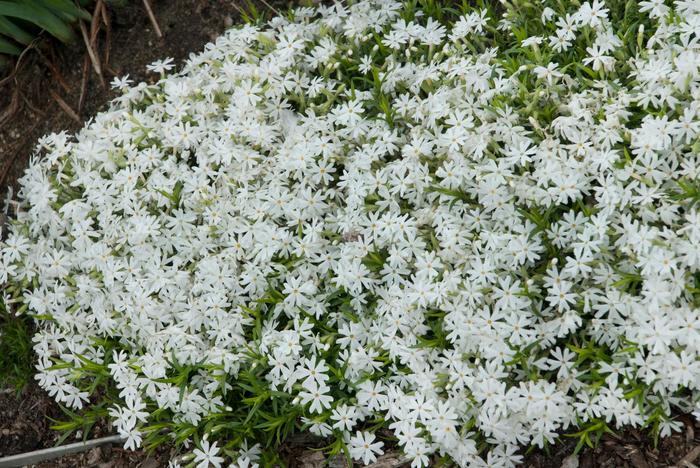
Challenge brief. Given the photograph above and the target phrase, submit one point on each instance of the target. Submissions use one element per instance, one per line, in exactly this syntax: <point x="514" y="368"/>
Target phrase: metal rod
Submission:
<point x="37" y="456"/>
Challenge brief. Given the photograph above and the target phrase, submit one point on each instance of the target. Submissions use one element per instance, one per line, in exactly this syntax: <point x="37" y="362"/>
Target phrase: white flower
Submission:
<point x="345" y="417"/>
<point x="161" y="66"/>
<point x="317" y="395"/>
<point x="362" y="447"/>
<point x="532" y="41"/>
<point x="121" y="83"/>
<point x="206" y="455"/>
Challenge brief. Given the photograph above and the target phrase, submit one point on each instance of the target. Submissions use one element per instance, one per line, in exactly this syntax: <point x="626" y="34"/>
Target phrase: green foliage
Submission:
<point x="250" y="13"/>
<point x="15" y="349"/>
<point x="22" y="20"/>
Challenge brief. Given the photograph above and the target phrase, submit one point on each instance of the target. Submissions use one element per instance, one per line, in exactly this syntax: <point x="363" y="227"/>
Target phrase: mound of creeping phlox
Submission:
<point x="450" y="232"/>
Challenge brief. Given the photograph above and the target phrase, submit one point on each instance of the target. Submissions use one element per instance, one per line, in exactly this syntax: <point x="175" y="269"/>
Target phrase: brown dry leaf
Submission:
<point x="570" y="462"/>
<point x="687" y="461"/>
<point x="638" y="459"/>
<point x="311" y="459"/>
<point x="390" y="460"/>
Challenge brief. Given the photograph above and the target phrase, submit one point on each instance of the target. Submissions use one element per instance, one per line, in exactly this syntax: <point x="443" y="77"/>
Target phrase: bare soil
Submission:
<point x="630" y="448"/>
<point x="25" y="425"/>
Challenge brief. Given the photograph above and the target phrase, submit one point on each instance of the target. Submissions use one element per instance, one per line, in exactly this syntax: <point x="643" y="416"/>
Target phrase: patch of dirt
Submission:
<point x="630" y="448"/>
<point x="107" y="456"/>
<point x="24" y="420"/>
<point x="25" y="425"/>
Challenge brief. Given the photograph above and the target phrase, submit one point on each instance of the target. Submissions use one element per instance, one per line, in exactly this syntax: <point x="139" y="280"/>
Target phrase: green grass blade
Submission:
<point x="9" y="48"/>
<point x="10" y="29"/>
<point x="66" y="7"/>
<point x="39" y="16"/>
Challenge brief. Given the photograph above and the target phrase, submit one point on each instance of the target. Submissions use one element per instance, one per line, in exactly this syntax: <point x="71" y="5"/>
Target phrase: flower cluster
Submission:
<point x="457" y="232"/>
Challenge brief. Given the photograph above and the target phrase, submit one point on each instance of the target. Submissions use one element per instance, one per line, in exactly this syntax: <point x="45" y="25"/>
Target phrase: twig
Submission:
<point x="91" y="52"/>
<point x="240" y="12"/>
<point x="11" y="109"/>
<point x="95" y="23"/>
<point x="10" y="77"/>
<point x="83" y="84"/>
<point x="389" y="460"/>
<point x="8" y="161"/>
<point x="111" y="70"/>
<point x="152" y="17"/>
<point x="637" y="458"/>
<point x="271" y="7"/>
<point x="690" y="457"/>
<point x="66" y="108"/>
<point x="103" y="12"/>
<point x="108" y="33"/>
<point x="54" y="70"/>
<point x="31" y="106"/>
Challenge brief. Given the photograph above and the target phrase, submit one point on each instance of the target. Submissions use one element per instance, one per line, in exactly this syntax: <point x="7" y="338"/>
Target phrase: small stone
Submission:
<point x="570" y="462"/>
<point x="149" y="462"/>
<point x="338" y="461"/>
<point x="311" y="459"/>
<point x="94" y="456"/>
<point x="228" y="21"/>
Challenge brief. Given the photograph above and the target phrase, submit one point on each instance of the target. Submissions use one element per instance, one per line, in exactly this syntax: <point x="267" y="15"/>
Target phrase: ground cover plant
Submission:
<point x="456" y="229"/>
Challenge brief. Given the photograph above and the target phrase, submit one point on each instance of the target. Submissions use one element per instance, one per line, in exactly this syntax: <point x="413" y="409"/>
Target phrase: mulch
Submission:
<point x="25" y="425"/>
<point x="55" y="88"/>
<point x="629" y="448"/>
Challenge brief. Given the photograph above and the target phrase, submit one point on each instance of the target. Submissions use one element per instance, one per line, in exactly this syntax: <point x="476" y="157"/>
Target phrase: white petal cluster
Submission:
<point x="365" y="216"/>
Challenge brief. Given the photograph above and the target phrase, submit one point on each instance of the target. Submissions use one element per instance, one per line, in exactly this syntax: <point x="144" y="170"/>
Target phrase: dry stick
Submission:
<point x="94" y="31"/>
<point x="11" y="109"/>
<point x="54" y="70"/>
<point x="91" y="53"/>
<point x="389" y="460"/>
<point x="271" y="8"/>
<point x="7" y="163"/>
<point x="95" y="23"/>
<point x="240" y="12"/>
<point x="66" y="108"/>
<point x="690" y="457"/>
<point x="83" y="83"/>
<point x="31" y="106"/>
<point x="103" y="12"/>
<point x="152" y="18"/>
<point x="108" y="33"/>
<point x="11" y="76"/>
